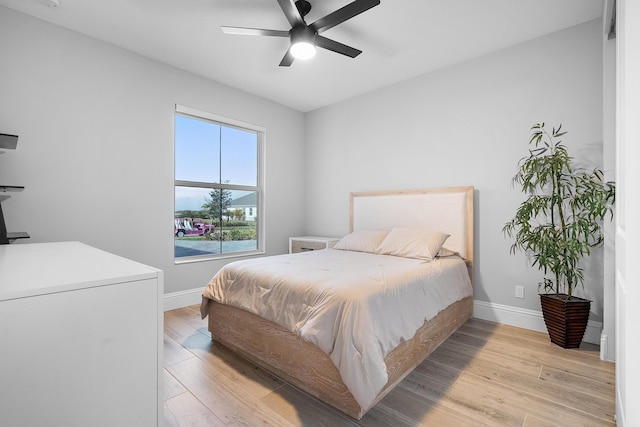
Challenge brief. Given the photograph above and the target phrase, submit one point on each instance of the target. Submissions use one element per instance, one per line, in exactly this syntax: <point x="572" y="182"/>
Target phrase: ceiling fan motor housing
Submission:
<point x="303" y="34"/>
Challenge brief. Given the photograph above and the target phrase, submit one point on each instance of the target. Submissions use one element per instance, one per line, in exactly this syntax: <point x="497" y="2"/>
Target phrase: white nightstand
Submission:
<point x="310" y="243"/>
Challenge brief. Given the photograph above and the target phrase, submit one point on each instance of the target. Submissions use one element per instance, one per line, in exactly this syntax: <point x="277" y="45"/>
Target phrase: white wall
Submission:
<point x="96" y="145"/>
<point x="464" y="125"/>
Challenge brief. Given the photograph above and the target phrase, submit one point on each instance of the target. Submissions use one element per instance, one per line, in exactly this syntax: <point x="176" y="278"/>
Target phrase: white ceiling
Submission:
<point x="400" y="39"/>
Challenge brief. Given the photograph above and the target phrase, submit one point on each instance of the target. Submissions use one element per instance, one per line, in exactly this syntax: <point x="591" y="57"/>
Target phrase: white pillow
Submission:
<point x="361" y="241"/>
<point x="412" y="243"/>
<point x="444" y="252"/>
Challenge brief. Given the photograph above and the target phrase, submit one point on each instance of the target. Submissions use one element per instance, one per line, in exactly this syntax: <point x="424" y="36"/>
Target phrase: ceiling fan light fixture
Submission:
<point x="303" y="50"/>
<point x="303" y="43"/>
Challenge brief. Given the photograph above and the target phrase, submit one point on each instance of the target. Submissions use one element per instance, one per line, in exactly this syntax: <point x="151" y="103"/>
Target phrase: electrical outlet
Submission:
<point x="519" y="291"/>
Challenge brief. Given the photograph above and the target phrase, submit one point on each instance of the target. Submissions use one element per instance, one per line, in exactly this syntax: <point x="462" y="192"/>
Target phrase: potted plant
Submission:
<point x="557" y="225"/>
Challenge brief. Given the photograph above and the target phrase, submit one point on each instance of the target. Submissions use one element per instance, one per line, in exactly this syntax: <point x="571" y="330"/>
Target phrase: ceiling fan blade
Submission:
<point x="342" y="14"/>
<point x="254" y="31"/>
<point x="291" y="12"/>
<point x="287" y="60"/>
<point x="337" y="47"/>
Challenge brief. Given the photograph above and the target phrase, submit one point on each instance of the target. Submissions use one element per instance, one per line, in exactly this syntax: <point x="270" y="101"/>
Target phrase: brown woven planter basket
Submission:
<point x="566" y="318"/>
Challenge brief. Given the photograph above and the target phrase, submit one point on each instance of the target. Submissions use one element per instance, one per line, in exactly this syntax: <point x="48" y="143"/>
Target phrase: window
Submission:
<point x="218" y="180"/>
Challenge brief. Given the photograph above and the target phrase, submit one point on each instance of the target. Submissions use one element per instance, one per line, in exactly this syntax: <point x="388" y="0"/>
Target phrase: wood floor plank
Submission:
<point x="174" y="352"/>
<point x="599" y="389"/>
<point x="231" y="404"/>
<point x="469" y="398"/>
<point x="597" y="370"/>
<point x="178" y="327"/>
<point x="186" y="410"/>
<point x="385" y="416"/>
<point x="533" y="421"/>
<point x="442" y="372"/>
<point x="472" y="355"/>
<point x="504" y="373"/>
<point x="192" y="317"/>
<point x="299" y="408"/>
<point x="485" y="374"/>
<point x="410" y="408"/>
<point x="171" y="386"/>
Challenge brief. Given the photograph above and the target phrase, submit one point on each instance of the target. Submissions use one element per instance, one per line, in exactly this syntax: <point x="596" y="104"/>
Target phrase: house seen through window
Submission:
<point x="218" y="186"/>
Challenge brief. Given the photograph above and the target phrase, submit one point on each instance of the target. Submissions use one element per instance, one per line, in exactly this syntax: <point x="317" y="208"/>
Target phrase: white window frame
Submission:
<point x="259" y="188"/>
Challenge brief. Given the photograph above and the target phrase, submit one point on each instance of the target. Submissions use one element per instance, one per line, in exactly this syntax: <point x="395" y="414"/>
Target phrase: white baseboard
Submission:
<point x="181" y="299"/>
<point x="525" y="318"/>
<point x="604" y="347"/>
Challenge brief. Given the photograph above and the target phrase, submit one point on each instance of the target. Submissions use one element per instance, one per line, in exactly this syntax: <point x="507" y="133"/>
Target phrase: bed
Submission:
<point x="310" y="318"/>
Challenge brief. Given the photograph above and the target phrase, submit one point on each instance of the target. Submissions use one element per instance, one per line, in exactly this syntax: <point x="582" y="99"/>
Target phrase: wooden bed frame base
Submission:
<point x="305" y="366"/>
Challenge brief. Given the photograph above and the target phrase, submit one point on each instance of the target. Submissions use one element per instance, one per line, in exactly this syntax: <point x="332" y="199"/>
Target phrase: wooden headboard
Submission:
<point x="448" y="209"/>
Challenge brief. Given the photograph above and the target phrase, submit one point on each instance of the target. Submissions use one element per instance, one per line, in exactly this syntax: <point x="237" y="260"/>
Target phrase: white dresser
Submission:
<point x="81" y="337"/>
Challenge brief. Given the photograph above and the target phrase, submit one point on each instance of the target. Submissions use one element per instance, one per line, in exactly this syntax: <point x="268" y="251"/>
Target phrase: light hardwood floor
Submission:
<point x="486" y="374"/>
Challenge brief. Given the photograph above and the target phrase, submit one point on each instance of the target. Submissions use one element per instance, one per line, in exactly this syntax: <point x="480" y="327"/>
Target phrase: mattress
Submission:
<point x="354" y="306"/>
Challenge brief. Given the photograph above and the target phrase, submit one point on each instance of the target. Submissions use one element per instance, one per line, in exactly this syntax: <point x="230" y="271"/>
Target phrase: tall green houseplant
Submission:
<point x="561" y="219"/>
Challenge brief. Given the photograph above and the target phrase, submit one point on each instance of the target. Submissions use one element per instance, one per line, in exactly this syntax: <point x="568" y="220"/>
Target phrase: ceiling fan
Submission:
<point x="304" y="38"/>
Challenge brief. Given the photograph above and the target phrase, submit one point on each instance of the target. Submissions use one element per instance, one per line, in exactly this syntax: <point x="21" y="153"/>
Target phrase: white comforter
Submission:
<point x="355" y="306"/>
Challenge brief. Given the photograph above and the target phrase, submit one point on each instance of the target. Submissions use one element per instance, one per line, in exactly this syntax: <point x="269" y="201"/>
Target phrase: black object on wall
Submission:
<point x="3" y="229"/>
<point x="9" y="142"/>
